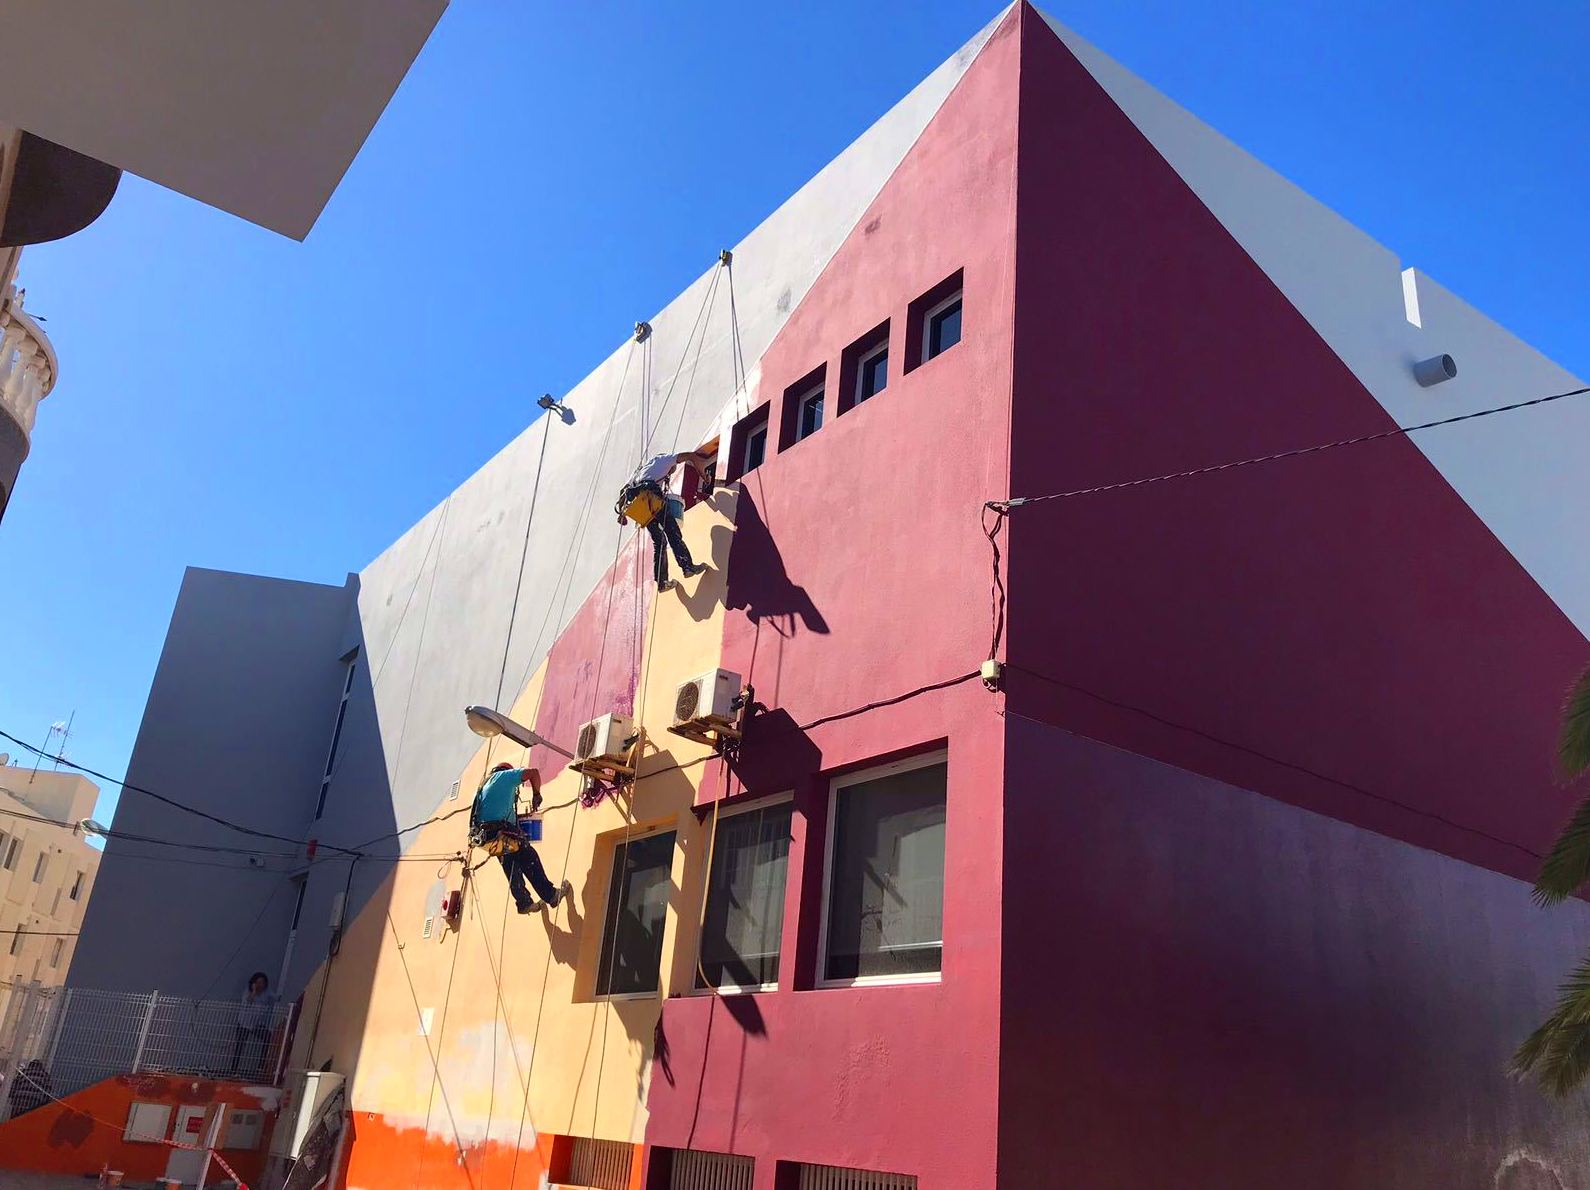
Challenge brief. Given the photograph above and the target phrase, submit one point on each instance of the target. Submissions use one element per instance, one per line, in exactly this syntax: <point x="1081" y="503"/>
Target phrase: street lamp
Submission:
<point x="484" y="721"/>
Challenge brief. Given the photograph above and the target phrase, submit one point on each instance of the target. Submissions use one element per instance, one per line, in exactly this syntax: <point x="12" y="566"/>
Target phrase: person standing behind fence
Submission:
<point x="254" y="1026"/>
<point x="30" y="1088"/>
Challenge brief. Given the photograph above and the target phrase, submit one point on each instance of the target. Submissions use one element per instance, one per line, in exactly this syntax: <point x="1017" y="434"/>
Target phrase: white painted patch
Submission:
<point x="1410" y="297"/>
<point x="427" y="1018"/>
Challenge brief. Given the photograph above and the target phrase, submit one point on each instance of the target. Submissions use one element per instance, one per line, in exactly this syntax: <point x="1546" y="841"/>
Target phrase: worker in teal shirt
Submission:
<point x="495" y="815"/>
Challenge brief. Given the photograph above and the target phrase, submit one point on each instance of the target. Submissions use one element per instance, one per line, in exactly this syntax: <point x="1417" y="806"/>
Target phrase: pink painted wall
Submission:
<point x="595" y="665"/>
<point x="858" y="573"/>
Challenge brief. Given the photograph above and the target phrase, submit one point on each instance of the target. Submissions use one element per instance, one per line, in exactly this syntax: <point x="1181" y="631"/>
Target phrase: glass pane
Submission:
<point x="811" y="415"/>
<point x="745" y="899"/>
<point x="886" y="896"/>
<point x="944" y="329"/>
<point x="637" y="902"/>
<point x="874" y="376"/>
<point x="755" y="449"/>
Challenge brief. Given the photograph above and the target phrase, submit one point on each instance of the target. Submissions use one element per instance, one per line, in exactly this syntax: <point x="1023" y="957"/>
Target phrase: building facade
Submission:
<point x="46" y="876"/>
<point x="1220" y="879"/>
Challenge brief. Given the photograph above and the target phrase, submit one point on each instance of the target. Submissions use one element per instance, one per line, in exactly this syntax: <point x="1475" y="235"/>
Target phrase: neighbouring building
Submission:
<point x="1225" y="884"/>
<point x="257" y="109"/>
<point x="46" y="875"/>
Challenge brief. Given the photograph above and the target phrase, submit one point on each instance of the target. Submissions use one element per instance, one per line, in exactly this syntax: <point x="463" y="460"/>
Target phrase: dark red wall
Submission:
<point x="858" y="573"/>
<point x="1205" y="987"/>
<point x="1209" y="989"/>
<point x="1338" y="630"/>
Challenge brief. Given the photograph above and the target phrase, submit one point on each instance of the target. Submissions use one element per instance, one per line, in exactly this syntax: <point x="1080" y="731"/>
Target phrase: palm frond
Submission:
<point x="1558" y="1052"/>
<point x="1573" y="745"/>
<point x="1566" y="867"/>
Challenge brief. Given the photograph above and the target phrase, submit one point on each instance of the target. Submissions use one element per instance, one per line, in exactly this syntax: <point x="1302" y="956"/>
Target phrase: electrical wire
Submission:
<point x="1394" y="432"/>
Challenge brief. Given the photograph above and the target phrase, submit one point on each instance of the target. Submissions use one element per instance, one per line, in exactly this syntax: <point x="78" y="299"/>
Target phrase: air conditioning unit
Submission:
<point x="606" y="739"/>
<point x="708" y="700"/>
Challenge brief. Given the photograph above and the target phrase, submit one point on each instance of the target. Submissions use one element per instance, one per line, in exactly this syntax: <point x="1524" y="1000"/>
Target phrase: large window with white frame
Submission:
<point x="809" y="412"/>
<point x="744" y="919"/>
<point x="883" y="913"/>
<point x="941" y="327"/>
<point x="632" y="926"/>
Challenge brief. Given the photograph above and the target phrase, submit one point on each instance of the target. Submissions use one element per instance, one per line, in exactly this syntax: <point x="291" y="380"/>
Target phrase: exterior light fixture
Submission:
<point x="1435" y="370"/>
<point x="552" y="406"/>
<point x="484" y="721"/>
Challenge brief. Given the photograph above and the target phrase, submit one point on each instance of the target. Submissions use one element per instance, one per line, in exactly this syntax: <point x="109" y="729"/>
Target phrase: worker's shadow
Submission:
<point x="759" y="584"/>
<point x="564" y="943"/>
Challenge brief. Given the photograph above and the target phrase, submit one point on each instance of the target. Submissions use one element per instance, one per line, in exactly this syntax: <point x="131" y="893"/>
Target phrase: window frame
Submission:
<point x="753" y="806"/>
<point x="816" y="393"/>
<point x="862" y="360"/>
<point x="55" y="953"/>
<point x="932" y="312"/>
<point x="8" y="862"/>
<point x="40" y="866"/>
<point x="351" y="660"/>
<point x="634" y="836"/>
<point x="757" y="433"/>
<point x="76" y="893"/>
<point x="836" y="785"/>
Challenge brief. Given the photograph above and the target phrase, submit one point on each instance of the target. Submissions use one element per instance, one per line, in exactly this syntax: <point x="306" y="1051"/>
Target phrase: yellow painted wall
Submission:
<point x="510" y="996"/>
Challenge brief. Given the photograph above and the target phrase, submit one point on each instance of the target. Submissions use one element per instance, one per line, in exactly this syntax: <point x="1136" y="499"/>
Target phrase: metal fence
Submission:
<point x="81" y="1036"/>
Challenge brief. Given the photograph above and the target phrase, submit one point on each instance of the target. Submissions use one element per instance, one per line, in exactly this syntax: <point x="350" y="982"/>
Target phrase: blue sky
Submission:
<point x="549" y="173"/>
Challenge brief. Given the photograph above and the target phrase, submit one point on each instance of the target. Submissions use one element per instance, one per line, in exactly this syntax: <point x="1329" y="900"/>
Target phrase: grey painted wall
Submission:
<point x="256" y="661"/>
<point x="238" y="720"/>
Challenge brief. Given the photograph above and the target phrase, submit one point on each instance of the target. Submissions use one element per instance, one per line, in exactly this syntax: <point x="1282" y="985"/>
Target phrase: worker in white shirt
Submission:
<point x="645" y="499"/>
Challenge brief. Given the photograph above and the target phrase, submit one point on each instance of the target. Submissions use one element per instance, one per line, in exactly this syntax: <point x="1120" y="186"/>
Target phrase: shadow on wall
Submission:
<point x="759" y="585"/>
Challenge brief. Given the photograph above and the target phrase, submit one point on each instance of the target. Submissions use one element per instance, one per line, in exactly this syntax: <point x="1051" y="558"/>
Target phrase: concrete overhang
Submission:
<point x="253" y="106"/>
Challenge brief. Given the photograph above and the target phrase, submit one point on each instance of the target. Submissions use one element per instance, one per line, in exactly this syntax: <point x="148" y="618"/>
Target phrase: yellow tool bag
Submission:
<point x="644" y="505"/>
<point x="502" y="842"/>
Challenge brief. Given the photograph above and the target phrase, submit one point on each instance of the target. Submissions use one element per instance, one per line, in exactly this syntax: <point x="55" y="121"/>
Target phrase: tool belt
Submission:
<point x="642" y="502"/>
<point x="497" y="838"/>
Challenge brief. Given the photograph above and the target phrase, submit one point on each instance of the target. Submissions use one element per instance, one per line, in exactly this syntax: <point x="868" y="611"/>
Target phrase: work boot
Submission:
<point x="526" y="906"/>
<point x="666" y="585"/>
<point x="694" y="569"/>
<point x="563" y="890"/>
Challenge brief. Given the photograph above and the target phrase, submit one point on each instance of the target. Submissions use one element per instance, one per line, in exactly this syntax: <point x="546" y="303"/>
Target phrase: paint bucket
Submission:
<point x="110" y="1177"/>
<point x="531" y="826"/>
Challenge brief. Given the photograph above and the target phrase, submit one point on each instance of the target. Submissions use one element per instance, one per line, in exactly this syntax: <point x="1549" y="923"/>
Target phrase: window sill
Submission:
<point x="734" y="990"/>
<point x="624" y="996"/>
<point x="880" y="981"/>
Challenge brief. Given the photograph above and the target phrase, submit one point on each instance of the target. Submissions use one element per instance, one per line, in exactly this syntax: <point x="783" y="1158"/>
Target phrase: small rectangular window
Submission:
<point x="809" y="414"/>
<point x="55" y="952"/>
<point x="885" y="913"/>
<point x="11" y="854"/>
<point x="77" y="887"/>
<point x="748" y="444"/>
<point x="632" y="927"/>
<point x="803" y="408"/>
<point x="38" y="868"/>
<point x="943" y="328"/>
<point x="864" y="368"/>
<point x="935" y="321"/>
<point x="16" y="940"/>
<point x="872" y="373"/>
<point x="740" y="938"/>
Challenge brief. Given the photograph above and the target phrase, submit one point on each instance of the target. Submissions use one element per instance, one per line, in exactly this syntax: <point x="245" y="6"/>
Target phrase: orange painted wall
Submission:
<point x="380" y="1154"/>
<point x="83" y="1133"/>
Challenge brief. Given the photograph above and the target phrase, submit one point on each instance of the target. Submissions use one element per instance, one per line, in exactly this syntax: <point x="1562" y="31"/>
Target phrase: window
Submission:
<point x="16" y="940"/>
<point x="11" y="854"/>
<point x="935" y="324"/>
<point x="755" y="448"/>
<point x="352" y="662"/>
<point x="697" y="1169"/>
<point x="38" y="867"/>
<point x="885" y="914"/>
<point x="745" y="899"/>
<point x="943" y="328"/>
<point x="803" y="408"/>
<point x="748" y="444"/>
<point x="55" y="952"/>
<point x="836" y="1177"/>
<point x="632" y="929"/>
<point x="809" y="414"/>
<point x="77" y="887"/>
<point x="872" y="373"/>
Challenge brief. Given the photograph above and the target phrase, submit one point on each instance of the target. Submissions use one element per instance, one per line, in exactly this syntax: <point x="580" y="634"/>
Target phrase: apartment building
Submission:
<point x="1217" y="877"/>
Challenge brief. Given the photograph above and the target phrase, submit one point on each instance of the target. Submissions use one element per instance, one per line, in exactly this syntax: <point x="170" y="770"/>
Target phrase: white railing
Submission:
<point x="80" y="1036"/>
<point x="27" y="363"/>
